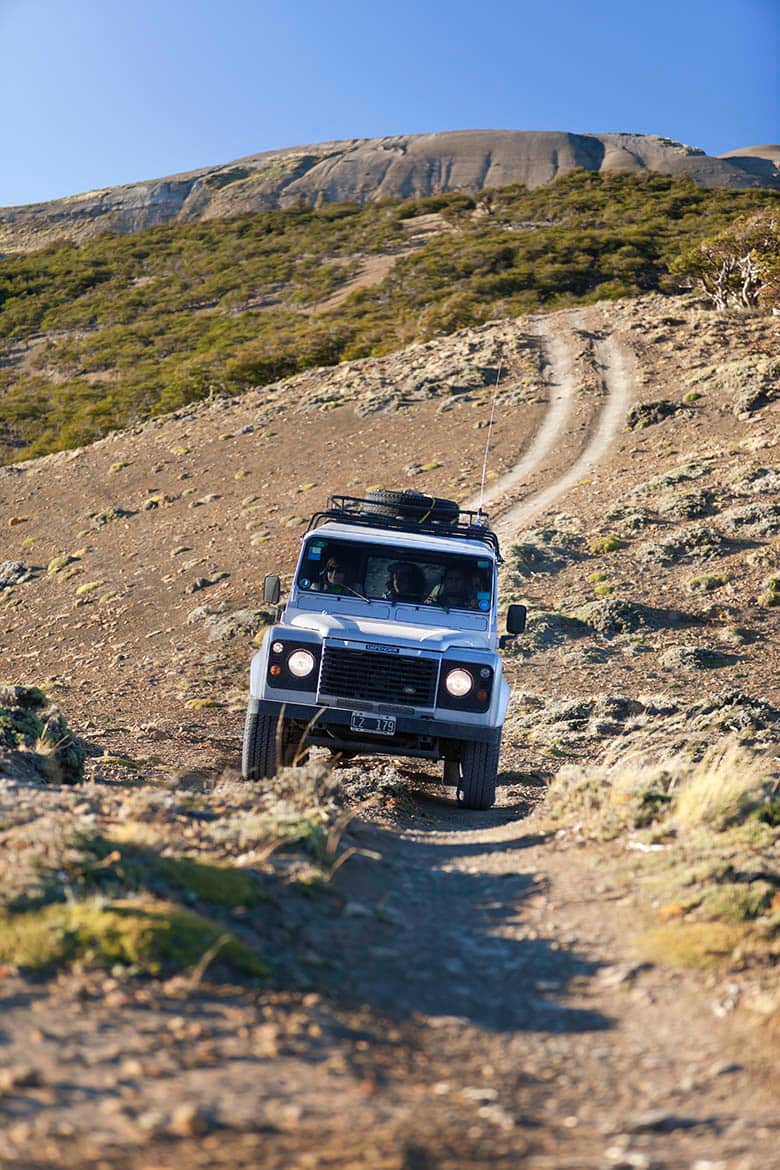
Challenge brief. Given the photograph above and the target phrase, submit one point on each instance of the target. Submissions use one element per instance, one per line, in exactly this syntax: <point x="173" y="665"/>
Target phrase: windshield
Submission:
<point x="392" y="574"/>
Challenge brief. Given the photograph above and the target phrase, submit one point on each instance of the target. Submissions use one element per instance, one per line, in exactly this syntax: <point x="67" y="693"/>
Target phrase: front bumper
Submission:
<point x="415" y="735"/>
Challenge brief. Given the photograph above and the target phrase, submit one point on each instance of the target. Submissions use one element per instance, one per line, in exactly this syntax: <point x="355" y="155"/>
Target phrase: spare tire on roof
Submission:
<point x="412" y="506"/>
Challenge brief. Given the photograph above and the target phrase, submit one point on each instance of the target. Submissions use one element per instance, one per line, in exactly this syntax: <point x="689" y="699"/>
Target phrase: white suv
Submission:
<point x="387" y="644"/>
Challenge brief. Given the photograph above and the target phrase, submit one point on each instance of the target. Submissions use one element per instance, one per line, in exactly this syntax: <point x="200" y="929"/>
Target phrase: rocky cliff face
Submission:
<point x="761" y="161"/>
<point x="367" y="169"/>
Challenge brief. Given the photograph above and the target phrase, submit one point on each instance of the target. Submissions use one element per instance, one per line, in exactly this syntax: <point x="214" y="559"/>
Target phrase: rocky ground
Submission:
<point x="445" y="989"/>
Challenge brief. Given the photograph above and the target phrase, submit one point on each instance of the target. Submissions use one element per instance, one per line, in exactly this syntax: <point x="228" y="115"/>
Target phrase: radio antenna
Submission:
<point x="490" y="432"/>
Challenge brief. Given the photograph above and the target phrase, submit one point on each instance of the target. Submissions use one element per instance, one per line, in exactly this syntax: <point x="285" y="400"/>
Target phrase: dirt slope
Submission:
<point x="464" y="990"/>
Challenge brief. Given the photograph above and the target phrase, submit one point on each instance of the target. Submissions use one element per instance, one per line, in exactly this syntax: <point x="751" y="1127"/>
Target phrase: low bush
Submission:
<point x="694" y="818"/>
<point x="606" y="544"/>
<point x="150" y="936"/>
<point x="142" y="324"/>
<point x="771" y="596"/>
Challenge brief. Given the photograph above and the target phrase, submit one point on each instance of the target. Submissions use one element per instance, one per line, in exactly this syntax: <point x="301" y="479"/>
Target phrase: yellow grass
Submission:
<point x="726" y="783"/>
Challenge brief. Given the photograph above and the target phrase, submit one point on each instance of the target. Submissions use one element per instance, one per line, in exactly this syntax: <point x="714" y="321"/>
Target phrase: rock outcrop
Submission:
<point x="761" y="161"/>
<point x="366" y="170"/>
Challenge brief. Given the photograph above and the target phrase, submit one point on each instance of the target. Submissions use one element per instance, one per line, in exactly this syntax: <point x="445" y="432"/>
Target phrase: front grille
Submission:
<point x="378" y="678"/>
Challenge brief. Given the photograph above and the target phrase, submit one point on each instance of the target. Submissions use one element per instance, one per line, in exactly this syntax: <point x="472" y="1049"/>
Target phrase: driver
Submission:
<point x="405" y="582"/>
<point x="454" y="591"/>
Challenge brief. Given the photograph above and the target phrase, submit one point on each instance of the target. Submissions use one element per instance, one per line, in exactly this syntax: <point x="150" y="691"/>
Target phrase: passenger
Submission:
<point x="454" y="590"/>
<point x="480" y="588"/>
<point x="405" y="582"/>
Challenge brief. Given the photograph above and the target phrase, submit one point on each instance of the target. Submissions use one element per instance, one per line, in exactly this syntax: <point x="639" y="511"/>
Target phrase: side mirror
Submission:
<point x="272" y="590"/>
<point x="515" y="619"/>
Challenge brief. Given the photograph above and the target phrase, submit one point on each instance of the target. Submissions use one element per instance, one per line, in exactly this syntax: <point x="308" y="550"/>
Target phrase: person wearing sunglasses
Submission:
<point x="334" y="577"/>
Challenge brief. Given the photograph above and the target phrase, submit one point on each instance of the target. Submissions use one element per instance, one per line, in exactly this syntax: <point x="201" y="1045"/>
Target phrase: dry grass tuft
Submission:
<point x="701" y="829"/>
<point x="641" y="788"/>
<point x="692" y="944"/>
<point x="726" y="784"/>
<point x="48" y="761"/>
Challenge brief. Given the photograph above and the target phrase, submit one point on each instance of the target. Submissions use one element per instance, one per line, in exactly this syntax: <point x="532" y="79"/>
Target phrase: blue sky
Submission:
<point x="98" y="92"/>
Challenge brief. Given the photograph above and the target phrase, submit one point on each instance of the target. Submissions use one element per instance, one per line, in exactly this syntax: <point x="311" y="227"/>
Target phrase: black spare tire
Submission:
<point x="412" y="506"/>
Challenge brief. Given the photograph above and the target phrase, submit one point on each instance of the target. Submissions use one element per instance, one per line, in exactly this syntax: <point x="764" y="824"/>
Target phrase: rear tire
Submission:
<point x="478" y="775"/>
<point x="259" y="756"/>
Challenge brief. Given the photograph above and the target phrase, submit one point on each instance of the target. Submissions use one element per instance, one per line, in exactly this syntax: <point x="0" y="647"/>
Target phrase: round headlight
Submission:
<point x="300" y="663"/>
<point x="459" y="682"/>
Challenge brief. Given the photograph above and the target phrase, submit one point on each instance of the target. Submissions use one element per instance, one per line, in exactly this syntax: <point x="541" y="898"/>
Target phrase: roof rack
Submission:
<point x="468" y="525"/>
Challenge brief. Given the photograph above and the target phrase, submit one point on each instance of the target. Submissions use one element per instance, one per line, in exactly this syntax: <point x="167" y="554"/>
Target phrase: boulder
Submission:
<point x="611" y="616"/>
<point x="701" y="543"/>
<point x="646" y="414"/>
<point x="690" y="657"/>
<point x="13" y="573"/>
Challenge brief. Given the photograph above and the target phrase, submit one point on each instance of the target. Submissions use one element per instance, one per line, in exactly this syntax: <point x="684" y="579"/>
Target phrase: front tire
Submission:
<point x="262" y="738"/>
<point x="258" y="758"/>
<point x="478" y="775"/>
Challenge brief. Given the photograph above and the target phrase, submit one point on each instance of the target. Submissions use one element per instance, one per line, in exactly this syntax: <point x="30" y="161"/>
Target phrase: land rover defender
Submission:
<point x="387" y="644"/>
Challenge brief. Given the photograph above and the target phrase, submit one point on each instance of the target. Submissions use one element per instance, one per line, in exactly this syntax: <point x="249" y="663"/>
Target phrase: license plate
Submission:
<point x="375" y="724"/>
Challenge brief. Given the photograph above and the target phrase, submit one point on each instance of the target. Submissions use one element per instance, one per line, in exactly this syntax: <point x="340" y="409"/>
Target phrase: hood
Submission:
<point x="390" y="633"/>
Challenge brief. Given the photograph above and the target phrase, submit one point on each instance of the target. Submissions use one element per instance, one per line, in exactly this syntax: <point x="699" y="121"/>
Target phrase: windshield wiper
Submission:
<point x="362" y="596"/>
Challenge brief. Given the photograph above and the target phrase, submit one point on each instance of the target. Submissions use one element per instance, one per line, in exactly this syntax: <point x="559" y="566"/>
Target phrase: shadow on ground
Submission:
<point x="427" y="924"/>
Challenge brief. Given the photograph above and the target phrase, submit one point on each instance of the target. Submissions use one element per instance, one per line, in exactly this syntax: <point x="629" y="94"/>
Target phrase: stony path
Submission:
<point x="510" y="956"/>
<point x="612" y="365"/>
<point x="472" y="1001"/>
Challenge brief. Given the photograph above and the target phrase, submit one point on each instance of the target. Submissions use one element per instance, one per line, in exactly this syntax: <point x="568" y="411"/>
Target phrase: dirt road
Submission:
<point x="470" y="1002"/>
<point x="462" y="994"/>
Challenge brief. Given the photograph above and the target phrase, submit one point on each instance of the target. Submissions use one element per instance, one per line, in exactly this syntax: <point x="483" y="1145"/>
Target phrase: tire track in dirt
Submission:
<point x="559" y="343"/>
<point x="558" y="375"/>
<point x="613" y="367"/>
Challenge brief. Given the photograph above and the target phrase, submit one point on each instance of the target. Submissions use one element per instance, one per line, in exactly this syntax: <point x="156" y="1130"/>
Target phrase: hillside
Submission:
<point x="122" y="328"/>
<point x="368" y="170"/>
<point x="761" y="161"/>
<point x="582" y="977"/>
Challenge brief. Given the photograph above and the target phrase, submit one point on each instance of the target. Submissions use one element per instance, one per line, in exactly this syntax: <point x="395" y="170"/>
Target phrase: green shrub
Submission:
<point x="151" y="936"/>
<point x="146" y="323"/>
<point x="707" y="583"/>
<point x="772" y="595"/>
<point x="606" y="544"/>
